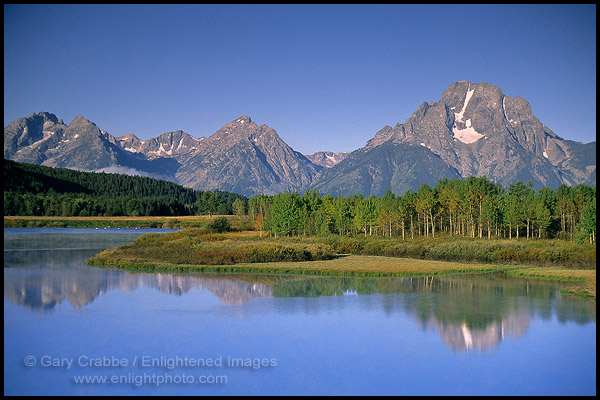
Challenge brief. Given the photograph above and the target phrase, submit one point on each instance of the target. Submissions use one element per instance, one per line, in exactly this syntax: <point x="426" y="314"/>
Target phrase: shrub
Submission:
<point x="220" y="224"/>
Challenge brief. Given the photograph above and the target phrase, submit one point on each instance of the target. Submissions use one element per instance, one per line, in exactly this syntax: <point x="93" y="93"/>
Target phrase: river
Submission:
<point x="71" y="329"/>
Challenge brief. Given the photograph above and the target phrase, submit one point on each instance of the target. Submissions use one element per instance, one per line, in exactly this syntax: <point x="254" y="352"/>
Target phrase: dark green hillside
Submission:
<point x="38" y="190"/>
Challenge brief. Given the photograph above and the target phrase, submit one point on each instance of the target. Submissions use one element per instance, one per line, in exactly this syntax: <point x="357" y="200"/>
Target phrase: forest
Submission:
<point x="35" y="190"/>
<point x="472" y="207"/>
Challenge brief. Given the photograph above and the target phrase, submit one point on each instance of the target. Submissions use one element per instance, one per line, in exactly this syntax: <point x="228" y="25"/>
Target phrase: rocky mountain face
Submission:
<point x="241" y="157"/>
<point x="245" y="158"/>
<point x="374" y="170"/>
<point x="170" y="144"/>
<point x="474" y="129"/>
<point x="45" y="140"/>
<point x="327" y="159"/>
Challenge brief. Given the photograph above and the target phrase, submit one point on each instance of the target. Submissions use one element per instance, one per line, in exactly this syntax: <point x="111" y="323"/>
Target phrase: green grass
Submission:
<point x="562" y="274"/>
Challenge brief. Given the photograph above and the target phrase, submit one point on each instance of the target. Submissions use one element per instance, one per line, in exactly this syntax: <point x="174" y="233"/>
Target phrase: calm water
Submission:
<point x="68" y="327"/>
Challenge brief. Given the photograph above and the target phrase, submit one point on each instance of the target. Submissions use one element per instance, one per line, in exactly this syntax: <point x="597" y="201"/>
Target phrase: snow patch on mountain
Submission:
<point x="469" y="134"/>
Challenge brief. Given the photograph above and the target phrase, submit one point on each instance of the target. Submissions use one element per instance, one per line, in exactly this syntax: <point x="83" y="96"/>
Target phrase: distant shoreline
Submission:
<point x="187" y="221"/>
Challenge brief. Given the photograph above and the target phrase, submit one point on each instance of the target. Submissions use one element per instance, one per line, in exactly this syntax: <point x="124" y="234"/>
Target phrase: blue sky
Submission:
<point x="325" y="77"/>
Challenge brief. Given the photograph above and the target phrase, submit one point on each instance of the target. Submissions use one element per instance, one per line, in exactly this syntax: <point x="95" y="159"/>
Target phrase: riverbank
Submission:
<point x="179" y="222"/>
<point x="196" y="250"/>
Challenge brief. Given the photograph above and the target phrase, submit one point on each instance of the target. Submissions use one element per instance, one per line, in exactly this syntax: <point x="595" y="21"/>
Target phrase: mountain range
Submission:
<point x="473" y="130"/>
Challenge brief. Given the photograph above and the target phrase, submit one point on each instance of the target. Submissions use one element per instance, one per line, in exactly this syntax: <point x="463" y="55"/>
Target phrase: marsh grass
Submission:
<point x="338" y="266"/>
<point x="515" y="252"/>
<point x="197" y="247"/>
<point x="555" y="273"/>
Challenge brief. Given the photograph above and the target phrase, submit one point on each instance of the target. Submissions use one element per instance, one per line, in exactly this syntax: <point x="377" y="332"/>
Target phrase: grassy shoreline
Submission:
<point x="199" y="251"/>
<point x="578" y="282"/>
<point x="569" y="263"/>
<point x="342" y="265"/>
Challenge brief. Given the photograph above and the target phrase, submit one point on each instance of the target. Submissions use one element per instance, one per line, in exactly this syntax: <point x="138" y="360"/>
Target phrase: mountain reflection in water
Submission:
<point x="469" y="311"/>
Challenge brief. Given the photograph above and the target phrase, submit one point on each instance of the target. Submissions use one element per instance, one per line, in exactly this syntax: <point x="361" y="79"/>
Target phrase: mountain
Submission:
<point x="248" y="159"/>
<point x="327" y="159"/>
<point x="170" y="144"/>
<point x="45" y="140"/>
<point x="474" y="129"/>
<point x="374" y="170"/>
<point x="240" y="157"/>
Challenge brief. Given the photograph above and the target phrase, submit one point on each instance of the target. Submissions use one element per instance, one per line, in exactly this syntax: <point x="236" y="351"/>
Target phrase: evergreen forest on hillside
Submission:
<point x="35" y="190"/>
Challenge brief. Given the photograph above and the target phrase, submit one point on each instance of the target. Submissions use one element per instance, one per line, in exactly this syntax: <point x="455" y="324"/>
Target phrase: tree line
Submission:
<point x="472" y="207"/>
<point x="36" y="190"/>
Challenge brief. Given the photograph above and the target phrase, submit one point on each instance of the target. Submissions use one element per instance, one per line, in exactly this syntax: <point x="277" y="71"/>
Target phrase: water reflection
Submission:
<point x="468" y="311"/>
<point x="39" y="290"/>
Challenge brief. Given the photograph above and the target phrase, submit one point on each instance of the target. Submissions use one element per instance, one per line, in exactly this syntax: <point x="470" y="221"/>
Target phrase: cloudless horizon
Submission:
<point x="325" y="77"/>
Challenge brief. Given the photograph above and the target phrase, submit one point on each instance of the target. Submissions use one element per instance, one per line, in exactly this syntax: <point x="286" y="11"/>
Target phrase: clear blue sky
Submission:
<point x="325" y="77"/>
